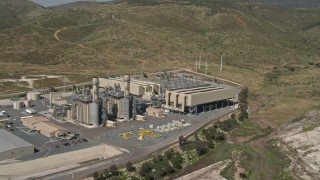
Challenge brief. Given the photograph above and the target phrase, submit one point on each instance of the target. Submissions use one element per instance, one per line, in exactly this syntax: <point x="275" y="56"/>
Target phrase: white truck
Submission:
<point x="30" y="111"/>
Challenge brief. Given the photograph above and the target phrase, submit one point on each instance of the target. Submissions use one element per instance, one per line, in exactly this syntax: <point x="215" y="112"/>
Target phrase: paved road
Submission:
<point x="134" y="154"/>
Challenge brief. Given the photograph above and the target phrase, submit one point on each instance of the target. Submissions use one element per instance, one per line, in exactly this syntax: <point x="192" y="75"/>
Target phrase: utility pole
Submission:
<point x="196" y="65"/>
<point x="206" y="66"/>
<point x="200" y="62"/>
<point x="64" y="83"/>
<point x="221" y="64"/>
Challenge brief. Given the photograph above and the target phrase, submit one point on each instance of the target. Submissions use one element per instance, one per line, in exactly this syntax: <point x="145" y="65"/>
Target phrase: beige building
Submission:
<point x="137" y="87"/>
<point x="178" y="100"/>
<point x="50" y="130"/>
<point x="30" y="121"/>
<point x="12" y="146"/>
<point x="155" y="112"/>
<point x="44" y="125"/>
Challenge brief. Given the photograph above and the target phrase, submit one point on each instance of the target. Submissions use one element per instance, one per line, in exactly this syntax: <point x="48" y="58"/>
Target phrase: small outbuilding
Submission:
<point x="12" y="146"/>
<point x="44" y="126"/>
<point x="155" y="112"/>
<point x="50" y="130"/>
<point x="30" y="121"/>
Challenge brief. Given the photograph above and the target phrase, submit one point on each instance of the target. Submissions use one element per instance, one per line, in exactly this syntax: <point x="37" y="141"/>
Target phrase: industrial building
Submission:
<point x="131" y="98"/>
<point x="187" y="99"/>
<point x="12" y="146"/>
<point x="155" y="112"/>
<point x="44" y="126"/>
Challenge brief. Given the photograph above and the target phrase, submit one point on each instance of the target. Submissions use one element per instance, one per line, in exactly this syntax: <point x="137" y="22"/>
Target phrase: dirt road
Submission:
<point x="56" y="36"/>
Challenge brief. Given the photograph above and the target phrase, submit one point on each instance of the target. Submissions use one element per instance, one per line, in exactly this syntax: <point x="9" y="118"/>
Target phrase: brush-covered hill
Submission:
<point x="295" y="3"/>
<point x="120" y="35"/>
<point x="11" y="8"/>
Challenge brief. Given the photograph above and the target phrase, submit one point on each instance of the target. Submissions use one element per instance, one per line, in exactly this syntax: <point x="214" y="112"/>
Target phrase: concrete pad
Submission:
<point x="59" y="162"/>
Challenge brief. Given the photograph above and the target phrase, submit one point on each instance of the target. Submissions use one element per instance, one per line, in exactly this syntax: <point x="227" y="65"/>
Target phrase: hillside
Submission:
<point x="11" y="8"/>
<point x="126" y="33"/>
<point x="272" y="50"/>
<point x="294" y="3"/>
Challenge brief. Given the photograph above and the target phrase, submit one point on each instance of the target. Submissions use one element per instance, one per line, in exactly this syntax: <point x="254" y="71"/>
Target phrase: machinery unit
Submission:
<point x="33" y="96"/>
<point x="17" y="104"/>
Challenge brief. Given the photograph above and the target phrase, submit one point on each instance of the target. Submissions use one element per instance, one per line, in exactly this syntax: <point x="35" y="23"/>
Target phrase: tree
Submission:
<point x="158" y="158"/>
<point x="243" y="175"/>
<point x="182" y="140"/>
<point x="149" y="177"/>
<point x="201" y="148"/>
<point x="95" y="175"/>
<point x="176" y="160"/>
<point x="243" y="114"/>
<point x="211" y="144"/>
<point x="114" y="169"/>
<point x="145" y="75"/>
<point x="130" y="167"/>
<point x="243" y="95"/>
<point x="196" y="136"/>
<point x="145" y="169"/>
<point x="106" y="173"/>
<point x="169" y="153"/>
<point x="206" y="134"/>
<point x="170" y="169"/>
<point x="134" y="178"/>
<point x="220" y="136"/>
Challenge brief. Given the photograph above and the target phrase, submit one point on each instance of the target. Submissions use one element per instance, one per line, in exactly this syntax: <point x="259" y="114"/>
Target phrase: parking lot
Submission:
<point x="44" y="146"/>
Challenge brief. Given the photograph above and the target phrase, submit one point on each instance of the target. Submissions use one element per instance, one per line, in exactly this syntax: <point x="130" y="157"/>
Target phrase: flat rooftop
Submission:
<point x="10" y="141"/>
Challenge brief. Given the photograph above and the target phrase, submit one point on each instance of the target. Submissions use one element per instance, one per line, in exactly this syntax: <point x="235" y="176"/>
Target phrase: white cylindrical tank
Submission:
<point x="16" y="104"/>
<point x="94" y="114"/>
<point x="26" y="103"/>
<point x="32" y="96"/>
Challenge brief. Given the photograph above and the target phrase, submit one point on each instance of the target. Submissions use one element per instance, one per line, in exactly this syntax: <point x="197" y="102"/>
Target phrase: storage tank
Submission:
<point x="94" y="114"/>
<point x="16" y="104"/>
<point x="26" y="103"/>
<point x="32" y="96"/>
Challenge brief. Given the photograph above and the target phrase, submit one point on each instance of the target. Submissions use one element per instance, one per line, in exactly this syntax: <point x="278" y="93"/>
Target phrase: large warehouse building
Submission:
<point x="12" y="146"/>
<point x="44" y="125"/>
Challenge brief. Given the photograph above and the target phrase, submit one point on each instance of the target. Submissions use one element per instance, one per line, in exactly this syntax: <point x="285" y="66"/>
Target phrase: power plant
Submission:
<point x="126" y="98"/>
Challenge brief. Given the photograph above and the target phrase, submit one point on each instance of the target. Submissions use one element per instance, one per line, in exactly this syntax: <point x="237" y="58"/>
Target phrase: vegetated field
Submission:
<point x="272" y="51"/>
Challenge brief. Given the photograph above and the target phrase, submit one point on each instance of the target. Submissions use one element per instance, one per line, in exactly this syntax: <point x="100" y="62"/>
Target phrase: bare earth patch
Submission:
<point x="302" y="145"/>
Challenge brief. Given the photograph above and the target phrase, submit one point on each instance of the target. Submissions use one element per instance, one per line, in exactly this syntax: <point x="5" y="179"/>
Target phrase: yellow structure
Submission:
<point x="142" y="133"/>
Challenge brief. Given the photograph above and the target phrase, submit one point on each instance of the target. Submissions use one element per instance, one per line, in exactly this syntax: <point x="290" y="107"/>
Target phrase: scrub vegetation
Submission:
<point x="273" y="51"/>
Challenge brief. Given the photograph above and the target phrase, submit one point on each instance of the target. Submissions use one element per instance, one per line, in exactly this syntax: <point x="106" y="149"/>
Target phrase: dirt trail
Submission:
<point x="238" y="171"/>
<point x="56" y="36"/>
<point x="240" y="22"/>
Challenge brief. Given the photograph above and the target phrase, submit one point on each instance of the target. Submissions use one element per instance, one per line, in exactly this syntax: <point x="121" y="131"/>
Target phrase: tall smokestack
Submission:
<point x="95" y="90"/>
<point x="127" y="86"/>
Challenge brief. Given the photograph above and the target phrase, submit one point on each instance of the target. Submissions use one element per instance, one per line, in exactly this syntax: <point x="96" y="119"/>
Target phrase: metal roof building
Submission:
<point x="12" y="146"/>
<point x="43" y="125"/>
